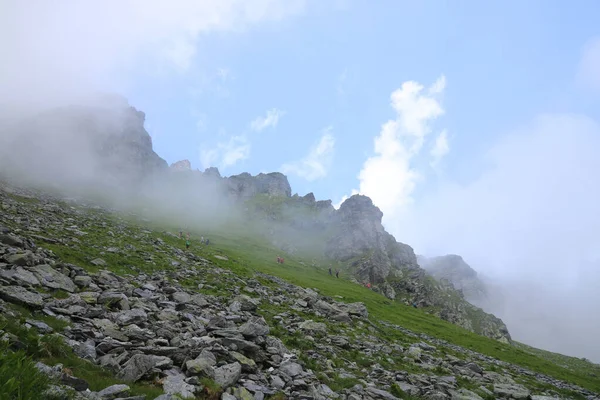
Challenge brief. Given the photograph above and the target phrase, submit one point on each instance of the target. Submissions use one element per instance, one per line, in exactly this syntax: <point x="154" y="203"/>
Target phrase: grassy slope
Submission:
<point x="248" y="253"/>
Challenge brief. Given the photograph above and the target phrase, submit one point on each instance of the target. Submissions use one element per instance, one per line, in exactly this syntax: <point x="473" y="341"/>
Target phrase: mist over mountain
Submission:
<point x="100" y="148"/>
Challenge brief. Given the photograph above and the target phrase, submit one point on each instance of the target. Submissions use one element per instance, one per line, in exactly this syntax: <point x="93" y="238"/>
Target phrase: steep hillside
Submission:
<point x="114" y="305"/>
<point x="104" y="148"/>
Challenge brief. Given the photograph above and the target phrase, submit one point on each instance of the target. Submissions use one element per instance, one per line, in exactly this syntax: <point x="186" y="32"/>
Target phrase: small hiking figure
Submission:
<point x="368" y="285"/>
<point x="202" y="240"/>
<point x="207" y="241"/>
<point x="337" y="273"/>
<point x="330" y="274"/>
<point x="187" y="244"/>
<point x="414" y="304"/>
<point x="278" y="260"/>
<point x="180" y="234"/>
<point x="187" y="236"/>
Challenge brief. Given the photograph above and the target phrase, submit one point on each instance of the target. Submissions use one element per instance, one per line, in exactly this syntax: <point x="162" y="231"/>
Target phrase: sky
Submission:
<point x="474" y="126"/>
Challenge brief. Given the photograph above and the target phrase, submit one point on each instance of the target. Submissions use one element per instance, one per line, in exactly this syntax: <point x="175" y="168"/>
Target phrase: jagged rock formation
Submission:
<point x="104" y="143"/>
<point x="178" y="320"/>
<point x="109" y="145"/>
<point x="376" y="257"/>
<point x="364" y="242"/>
<point x="183" y="165"/>
<point x="245" y="186"/>
<point x="455" y="270"/>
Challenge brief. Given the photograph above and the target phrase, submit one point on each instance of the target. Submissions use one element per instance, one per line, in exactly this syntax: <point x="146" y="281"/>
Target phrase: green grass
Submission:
<point x="19" y="377"/>
<point x="248" y="252"/>
<point x="51" y="350"/>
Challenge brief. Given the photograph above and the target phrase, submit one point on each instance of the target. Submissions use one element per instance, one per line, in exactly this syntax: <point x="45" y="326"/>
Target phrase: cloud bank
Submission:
<point x="57" y="49"/>
<point x="389" y="177"/>
<point x="530" y="223"/>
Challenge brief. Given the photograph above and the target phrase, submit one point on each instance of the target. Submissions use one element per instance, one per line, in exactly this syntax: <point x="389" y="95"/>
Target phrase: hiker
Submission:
<point x="369" y="285"/>
<point x="278" y="260"/>
<point x="282" y="260"/>
<point x="187" y="244"/>
<point x="207" y="241"/>
<point x="187" y="235"/>
<point x="414" y="304"/>
<point x="330" y="274"/>
<point x="202" y="240"/>
<point x="337" y="273"/>
<point x="180" y="234"/>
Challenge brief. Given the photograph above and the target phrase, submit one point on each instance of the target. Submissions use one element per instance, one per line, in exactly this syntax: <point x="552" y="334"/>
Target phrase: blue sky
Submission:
<point x="473" y="125"/>
<point x="336" y="66"/>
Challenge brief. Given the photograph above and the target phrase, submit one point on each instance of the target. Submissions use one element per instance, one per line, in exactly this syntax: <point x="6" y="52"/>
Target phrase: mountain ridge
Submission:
<point x="116" y="153"/>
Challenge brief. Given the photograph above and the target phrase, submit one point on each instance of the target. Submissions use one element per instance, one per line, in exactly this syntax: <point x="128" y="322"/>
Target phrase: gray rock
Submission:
<point x="313" y="327"/>
<point x="11" y="240"/>
<point x="53" y="279"/>
<point x="133" y="316"/>
<point x="228" y="375"/>
<point x="181" y="297"/>
<point x="22" y="296"/>
<point x="256" y="326"/>
<point x="381" y="394"/>
<point x="139" y="365"/>
<point x="463" y="394"/>
<point x="114" y="391"/>
<point x="98" y="262"/>
<point x="114" y="299"/>
<point x="20" y="276"/>
<point x="277" y="382"/>
<point x="243" y="303"/>
<point x="175" y="384"/>
<point x="42" y="327"/>
<point x="511" y="391"/>
<point x="290" y="368"/>
<point x="202" y="365"/>
<point x="21" y="259"/>
<point x="82" y="281"/>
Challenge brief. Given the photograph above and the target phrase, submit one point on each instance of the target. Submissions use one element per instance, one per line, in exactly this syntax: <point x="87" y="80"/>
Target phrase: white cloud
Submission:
<point x="318" y="160"/>
<point x="439" y="149"/>
<point x="59" y="47"/>
<point x="530" y="217"/>
<point x="268" y="121"/>
<point x="226" y="154"/>
<point x="388" y="177"/>
<point x="589" y="66"/>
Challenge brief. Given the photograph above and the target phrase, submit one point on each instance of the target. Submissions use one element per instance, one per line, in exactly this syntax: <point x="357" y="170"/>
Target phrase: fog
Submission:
<point x="529" y="224"/>
<point x="58" y="127"/>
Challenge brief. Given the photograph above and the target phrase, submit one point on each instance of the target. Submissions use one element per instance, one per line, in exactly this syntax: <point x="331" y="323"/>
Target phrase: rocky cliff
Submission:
<point x="363" y="241"/>
<point x="104" y="143"/>
<point x="456" y="271"/>
<point x="107" y="143"/>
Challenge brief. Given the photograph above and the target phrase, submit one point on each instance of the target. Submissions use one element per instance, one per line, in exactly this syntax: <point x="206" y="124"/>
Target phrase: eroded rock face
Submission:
<point x="362" y="237"/>
<point x="454" y="269"/>
<point x="245" y="186"/>
<point x="181" y="166"/>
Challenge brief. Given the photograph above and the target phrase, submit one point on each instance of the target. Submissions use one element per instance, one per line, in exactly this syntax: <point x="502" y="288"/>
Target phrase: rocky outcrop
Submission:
<point x="181" y="166"/>
<point x="362" y="240"/>
<point x="376" y="257"/>
<point x="455" y="270"/>
<point x="100" y="143"/>
<point x="245" y="186"/>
